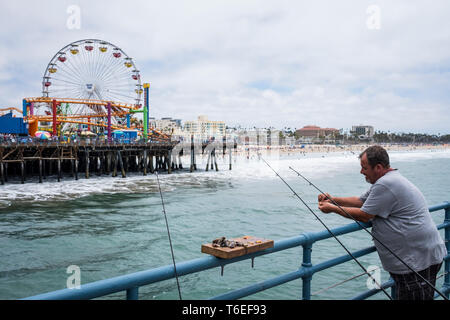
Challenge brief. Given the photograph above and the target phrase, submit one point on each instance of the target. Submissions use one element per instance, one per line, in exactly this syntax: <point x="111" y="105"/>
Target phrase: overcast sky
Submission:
<point x="255" y="63"/>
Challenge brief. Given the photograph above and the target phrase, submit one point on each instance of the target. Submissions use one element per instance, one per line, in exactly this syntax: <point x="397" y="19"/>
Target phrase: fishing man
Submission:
<point x="400" y="221"/>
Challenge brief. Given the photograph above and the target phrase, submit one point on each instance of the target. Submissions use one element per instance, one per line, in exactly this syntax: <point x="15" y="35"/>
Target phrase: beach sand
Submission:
<point x="246" y="150"/>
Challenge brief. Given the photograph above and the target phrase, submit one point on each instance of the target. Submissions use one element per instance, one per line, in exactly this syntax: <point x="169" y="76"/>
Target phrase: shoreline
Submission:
<point x="244" y="150"/>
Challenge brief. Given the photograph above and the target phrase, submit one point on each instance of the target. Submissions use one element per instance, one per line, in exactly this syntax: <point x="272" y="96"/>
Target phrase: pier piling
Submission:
<point x="144" y="162"/>
<point x="208" y="161"/>
<point x="215" y="160"/>
<point x="230" y="157"/>
<point x="152" y="169"/>
<point x="59" y="169"/>
<point x="169" y="162"/>
<point x="40" y="169"/>
<point x="87" y="164"/>
<point x="122" y="168"/>
<point x="76" y="168"/>
<point x="2" y="173"/>
<point x="22" y="171"/>
<point x="114" y="160"/>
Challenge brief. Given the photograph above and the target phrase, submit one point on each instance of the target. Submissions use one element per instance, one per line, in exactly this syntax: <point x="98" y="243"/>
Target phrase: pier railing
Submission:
<point x="131" y="283"/>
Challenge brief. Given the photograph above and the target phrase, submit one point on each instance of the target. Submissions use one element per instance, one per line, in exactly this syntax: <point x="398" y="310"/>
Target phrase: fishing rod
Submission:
<point x="168" y="233"/>
<point x="331" y="232"/>
<point x="375" y="238"/>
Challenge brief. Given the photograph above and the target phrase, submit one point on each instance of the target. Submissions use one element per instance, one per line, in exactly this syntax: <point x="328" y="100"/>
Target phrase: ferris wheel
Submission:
<point x="93" y="69"/>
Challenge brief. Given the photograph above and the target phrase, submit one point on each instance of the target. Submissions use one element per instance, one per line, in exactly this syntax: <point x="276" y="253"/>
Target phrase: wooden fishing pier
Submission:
<point x="87" y="159"/>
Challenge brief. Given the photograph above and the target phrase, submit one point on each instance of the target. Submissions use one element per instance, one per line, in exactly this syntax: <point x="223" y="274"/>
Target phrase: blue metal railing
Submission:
<point x="131" y="282"/>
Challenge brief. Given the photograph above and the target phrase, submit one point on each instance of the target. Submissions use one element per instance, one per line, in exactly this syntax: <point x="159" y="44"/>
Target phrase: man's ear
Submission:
<point x="379" y="167"/>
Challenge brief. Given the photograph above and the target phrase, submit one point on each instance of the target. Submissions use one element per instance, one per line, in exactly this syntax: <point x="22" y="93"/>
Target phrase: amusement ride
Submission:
<point x="90" y="85"/>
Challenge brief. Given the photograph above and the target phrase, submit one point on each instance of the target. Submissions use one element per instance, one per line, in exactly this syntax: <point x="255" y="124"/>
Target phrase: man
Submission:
<point x="400" y="220"/>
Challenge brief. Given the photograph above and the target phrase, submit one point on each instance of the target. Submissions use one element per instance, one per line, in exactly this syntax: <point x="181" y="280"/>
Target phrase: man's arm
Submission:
<point x="356" y="213"/>
<point x="354" y="202"/>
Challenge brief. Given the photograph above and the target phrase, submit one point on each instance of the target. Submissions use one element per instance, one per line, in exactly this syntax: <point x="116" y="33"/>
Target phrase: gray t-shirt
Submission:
<point x="403" y="223"/>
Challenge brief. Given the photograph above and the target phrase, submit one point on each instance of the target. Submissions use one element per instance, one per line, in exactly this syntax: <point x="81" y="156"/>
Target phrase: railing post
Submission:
<point x="393" y="291"/>
<point x="306" y="292"/>
<point x="133" y="293"/>
<point x="447" y="244"/>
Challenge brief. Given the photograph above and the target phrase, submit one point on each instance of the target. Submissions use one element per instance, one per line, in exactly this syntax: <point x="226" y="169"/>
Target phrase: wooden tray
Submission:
<point x="254" y="244"/>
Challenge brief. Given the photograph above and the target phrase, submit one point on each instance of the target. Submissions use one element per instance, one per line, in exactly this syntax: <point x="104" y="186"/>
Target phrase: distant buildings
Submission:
<point x="316" y="132"/>
<point x="363" y="131"/>
<point x="166" y="125"/>
<point x="203" y="129"/>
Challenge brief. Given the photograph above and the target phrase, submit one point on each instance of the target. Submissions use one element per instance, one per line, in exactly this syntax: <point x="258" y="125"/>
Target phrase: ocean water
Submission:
<point x="114" y="226"/>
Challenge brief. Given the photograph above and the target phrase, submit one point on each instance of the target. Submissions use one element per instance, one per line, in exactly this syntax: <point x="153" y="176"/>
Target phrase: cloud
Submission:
<point x="255" y="63"/>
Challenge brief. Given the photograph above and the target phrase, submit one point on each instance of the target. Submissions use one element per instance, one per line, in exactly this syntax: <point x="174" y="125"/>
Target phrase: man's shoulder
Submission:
<point x="391" y="177"/>
<point x="398" y="184"/>
<point x="391" y="181"/>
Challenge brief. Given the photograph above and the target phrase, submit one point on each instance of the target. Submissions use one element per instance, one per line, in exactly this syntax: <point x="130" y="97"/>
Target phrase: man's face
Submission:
<point x="369" y="172"/>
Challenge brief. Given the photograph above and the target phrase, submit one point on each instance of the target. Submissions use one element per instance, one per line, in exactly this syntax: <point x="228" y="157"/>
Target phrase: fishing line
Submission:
<point x="331" y="232"/>
<point x="359" y="223"/>
<point x="168" y="233"/>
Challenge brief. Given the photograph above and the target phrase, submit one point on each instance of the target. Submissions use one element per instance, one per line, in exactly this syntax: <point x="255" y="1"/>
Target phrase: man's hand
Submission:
<point x="324" y="197"/>
<point x="350" y="213"/>
<point x="326" y="207"/>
